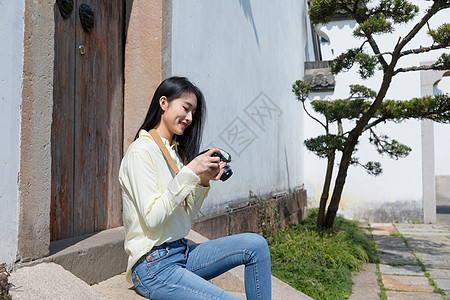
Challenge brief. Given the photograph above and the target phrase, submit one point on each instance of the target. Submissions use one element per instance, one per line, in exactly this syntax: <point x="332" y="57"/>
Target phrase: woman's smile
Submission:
<point x="177" y="115"/>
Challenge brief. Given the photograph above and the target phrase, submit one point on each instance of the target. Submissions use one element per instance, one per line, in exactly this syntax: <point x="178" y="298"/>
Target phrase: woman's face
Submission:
<point x="178" y="113"/>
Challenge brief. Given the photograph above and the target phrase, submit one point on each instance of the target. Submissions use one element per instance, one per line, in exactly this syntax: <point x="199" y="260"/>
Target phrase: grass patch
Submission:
<point x="319" y="262"/>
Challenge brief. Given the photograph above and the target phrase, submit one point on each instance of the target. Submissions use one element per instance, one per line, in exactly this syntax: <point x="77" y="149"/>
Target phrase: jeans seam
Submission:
<point x="140" y="283"/>
<point x="258" y="288"/>
<point x="223" y="257"/>
<point x="186" y="289"/>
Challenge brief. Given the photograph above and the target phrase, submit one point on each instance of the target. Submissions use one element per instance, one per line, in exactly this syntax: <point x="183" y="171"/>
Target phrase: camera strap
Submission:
<point x="164" y="150"/>
<point x="155" y="135"/>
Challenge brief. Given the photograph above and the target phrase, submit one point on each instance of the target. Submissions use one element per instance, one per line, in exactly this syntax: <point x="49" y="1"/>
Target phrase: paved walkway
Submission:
<point x="414" y="263"/>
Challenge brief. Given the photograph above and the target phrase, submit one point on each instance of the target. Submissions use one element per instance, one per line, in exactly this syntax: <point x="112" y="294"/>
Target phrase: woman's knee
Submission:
<point x="256" y="243"/>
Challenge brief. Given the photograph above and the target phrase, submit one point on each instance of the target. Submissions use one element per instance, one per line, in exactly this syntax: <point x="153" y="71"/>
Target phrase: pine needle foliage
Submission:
<point x="366" y="108"/>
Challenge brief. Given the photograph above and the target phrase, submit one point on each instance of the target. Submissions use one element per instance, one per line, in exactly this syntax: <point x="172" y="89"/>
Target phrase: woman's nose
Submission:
<point x="189" y="117"/>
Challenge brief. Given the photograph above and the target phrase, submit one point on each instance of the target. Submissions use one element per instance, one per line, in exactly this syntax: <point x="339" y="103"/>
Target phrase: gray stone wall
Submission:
<point x="260" y="216"/>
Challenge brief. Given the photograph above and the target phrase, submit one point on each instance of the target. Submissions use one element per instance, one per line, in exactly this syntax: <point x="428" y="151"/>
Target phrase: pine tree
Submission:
<point x="366" y="107"/>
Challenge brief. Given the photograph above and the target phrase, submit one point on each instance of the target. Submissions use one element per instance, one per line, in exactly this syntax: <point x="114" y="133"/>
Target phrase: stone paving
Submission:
<point x="414" y="263"/>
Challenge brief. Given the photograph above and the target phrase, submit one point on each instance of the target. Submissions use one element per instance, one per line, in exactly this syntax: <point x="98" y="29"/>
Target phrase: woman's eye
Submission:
<point x="185" y="108"/>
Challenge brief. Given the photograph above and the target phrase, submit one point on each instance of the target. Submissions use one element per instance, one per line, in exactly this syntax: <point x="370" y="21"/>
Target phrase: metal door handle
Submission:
<point x="82" y="49"/>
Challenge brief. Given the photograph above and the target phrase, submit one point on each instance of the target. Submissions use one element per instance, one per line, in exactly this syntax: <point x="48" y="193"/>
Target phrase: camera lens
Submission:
<point x="227" y="172"/>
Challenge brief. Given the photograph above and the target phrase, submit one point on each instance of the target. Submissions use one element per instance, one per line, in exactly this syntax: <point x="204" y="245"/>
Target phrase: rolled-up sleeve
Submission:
<point x="154" y="205"/>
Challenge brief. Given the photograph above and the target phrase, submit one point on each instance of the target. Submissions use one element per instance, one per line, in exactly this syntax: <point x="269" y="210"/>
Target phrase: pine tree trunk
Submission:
<point x="326" y="190"/>
<point x="349" y="147"/>
<point x="339" y="185"/>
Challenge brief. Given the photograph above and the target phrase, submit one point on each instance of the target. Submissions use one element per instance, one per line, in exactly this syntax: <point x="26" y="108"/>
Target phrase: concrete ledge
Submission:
<point x="92" y="258"/>
<point x="49" y="281"/>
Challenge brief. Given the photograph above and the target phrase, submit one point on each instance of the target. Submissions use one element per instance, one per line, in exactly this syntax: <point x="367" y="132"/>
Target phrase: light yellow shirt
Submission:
<point x="153" y="210"/>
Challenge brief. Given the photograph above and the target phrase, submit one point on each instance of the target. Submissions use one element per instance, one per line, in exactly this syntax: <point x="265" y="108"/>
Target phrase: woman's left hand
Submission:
<point x="214" y="174"/>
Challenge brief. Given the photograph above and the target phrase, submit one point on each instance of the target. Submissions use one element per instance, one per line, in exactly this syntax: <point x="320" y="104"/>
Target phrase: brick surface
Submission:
<point x="365" y="285"/>
<point x="244" y="220"/>
<point x="436" y="264"/>
<point x="387" y="241"/>
<point x="391" y="295"/>
<point x="428" y="245"/>
<point x="212" y="227"/>
<point x="401" y="270"/>
<point x="439" y="273"/>
<point x="443" y="284"/>
<point x="407" y="283"/>
<point x="380" y="232"/>
<point x="388" y="228"/>
<point x="396" y="256"/>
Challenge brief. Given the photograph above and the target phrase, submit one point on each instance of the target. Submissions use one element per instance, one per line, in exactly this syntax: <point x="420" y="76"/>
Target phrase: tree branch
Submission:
<point x="421" y="50"/>
<point x="432" y="11"/>
<point x="378" y="141"/>
<point x="390" y="53"/>
<point x="374" y="123"/>
<point x="418" y="68"/>
<point x="376" y="50"/>
<point x="340" y="128"/>
<point x="315" y="119"/>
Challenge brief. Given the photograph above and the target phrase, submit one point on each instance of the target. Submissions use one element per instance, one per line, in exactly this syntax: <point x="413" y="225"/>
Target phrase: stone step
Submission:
<point x="117" y="288"/>
<point x="45" y="279"/>
<point x="49" y="281"/>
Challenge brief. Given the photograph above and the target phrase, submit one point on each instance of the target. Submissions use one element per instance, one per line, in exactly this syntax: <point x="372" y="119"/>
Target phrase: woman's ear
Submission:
<point x="163" y="102"/>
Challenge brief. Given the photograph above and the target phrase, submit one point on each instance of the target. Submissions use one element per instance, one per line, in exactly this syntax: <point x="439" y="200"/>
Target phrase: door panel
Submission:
<point x="93" y="199"/>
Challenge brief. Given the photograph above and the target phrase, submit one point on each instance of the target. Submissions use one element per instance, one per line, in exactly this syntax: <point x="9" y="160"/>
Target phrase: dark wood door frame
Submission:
<point x="87" y="128"/>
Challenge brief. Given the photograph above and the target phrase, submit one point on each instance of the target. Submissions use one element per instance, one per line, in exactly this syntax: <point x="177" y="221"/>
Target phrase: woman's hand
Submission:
<point x="207" y="167"/>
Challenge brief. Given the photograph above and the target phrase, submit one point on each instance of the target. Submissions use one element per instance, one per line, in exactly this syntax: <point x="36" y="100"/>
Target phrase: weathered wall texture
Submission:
<point x="11" y="60"/>
<point x="35" y="150"/>
<point x="244" y="55"/>
<point x="145" y="65"/>
<point x="441" y="149"/>
<point x="397" y="193"/>
<point x="263" y="217"/>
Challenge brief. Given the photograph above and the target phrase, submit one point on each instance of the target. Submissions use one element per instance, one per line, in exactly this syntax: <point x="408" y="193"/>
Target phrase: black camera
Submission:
<point x="225" y="157"/>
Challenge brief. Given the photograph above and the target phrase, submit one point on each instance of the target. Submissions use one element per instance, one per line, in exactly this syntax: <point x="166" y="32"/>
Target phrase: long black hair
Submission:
<point x="174" y="88"/>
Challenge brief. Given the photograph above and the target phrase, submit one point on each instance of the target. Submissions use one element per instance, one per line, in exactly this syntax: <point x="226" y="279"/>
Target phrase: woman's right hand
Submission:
<point x="206" y="166"/>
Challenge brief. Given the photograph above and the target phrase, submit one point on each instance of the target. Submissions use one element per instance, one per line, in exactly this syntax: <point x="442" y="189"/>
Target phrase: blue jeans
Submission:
<point x="177" y="270"/>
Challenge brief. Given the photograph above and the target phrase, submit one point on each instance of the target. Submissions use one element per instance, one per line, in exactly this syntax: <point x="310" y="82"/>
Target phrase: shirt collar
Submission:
<point x="174" y="145"/>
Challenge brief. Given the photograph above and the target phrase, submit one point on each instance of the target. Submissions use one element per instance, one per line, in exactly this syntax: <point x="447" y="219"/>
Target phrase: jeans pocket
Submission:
<point x="156" y="255"/>
<point x="140" y="288"/>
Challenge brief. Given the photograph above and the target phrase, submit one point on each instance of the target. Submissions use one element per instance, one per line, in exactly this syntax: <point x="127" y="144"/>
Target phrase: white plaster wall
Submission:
<point x="11" y="62"/>
<point x="397" y="193"/>
<point x="235" y="51"/>
<point x="442" y="136"/>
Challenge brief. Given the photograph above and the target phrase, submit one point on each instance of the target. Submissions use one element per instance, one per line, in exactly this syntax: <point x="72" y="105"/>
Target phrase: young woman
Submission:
<point x="158" y="206"/>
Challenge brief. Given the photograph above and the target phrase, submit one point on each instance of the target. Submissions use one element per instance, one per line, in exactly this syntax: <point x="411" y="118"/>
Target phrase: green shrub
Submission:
<point x="319" y="262"/>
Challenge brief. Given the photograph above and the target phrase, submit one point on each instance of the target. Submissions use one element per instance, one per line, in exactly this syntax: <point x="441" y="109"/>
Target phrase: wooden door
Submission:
<point x="87" y="129"/>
